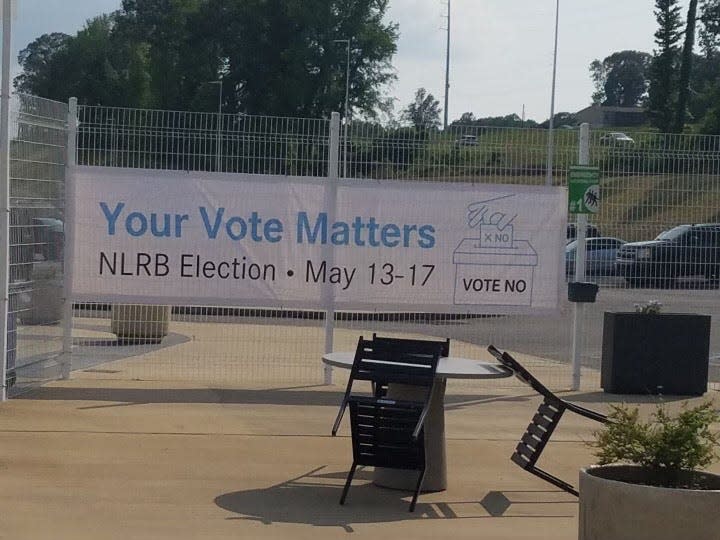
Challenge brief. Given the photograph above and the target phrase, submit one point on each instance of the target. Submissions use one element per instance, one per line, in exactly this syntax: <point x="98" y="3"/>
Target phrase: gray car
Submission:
<point x="600" y="256"/>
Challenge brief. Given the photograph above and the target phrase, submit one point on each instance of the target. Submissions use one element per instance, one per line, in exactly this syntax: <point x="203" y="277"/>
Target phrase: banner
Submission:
<point x="194" y="238"/>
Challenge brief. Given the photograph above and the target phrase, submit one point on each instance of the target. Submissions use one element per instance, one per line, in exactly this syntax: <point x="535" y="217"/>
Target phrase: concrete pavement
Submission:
<point x="106" y="458"/>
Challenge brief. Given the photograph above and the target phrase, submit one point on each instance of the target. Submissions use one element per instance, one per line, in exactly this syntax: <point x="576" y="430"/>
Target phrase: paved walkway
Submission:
<point x="109" y="457"/>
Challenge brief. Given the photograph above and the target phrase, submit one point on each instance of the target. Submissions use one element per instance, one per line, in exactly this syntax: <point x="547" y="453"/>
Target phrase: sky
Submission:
<point x="501" y="55"/>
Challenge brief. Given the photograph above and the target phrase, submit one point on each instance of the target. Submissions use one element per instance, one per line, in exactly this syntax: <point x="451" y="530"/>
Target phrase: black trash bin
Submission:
<point x="582" y="291"/>
<point x="665" y="353"/>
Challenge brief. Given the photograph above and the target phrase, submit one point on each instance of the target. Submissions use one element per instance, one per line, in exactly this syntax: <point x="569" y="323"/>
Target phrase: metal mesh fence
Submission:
<point x="37" y="192"/>
<point x="650" y="184"/>
<point x="186" y="141"/>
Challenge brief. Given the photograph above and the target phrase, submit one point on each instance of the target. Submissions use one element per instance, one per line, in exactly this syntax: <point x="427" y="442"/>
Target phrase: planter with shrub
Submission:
<point x="649" y="484"/>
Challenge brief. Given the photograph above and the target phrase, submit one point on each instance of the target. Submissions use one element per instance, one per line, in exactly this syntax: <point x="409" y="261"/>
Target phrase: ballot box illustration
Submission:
<point x="493" y="267"/>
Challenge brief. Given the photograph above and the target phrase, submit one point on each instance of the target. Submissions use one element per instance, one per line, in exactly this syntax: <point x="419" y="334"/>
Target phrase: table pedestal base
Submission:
<point x="436" y="472"/>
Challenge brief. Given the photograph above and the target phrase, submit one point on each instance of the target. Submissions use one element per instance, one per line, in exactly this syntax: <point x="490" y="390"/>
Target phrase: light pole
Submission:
<point x="551" y="134"/>
<point x="447" y="69"/>
<point x="218" y="152"/>
<point x="347" y="102"/>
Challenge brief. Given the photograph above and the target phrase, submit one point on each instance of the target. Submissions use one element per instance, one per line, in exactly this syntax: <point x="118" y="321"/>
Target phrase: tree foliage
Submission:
<point x="509" y="120"/>
<point x="705" y="77"/>
<point x="274" y="57"/>
<point x="423" y="111"/>
<point x="663" y="83"/>
<point x="685" y="67"/>
<point x="621" y="78"/>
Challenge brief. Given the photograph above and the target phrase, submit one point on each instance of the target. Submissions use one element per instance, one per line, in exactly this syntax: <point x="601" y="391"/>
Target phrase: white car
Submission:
<point x="616" y="137"/>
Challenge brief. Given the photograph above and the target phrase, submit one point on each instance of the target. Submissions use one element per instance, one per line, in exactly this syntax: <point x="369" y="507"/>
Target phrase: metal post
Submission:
<point x="5" y="192"/>
<point x="330" y="201"/>
<point x="218" y="152"/>
<point x="580" y="258"/>
<point x="69" y="236"/>
<point x="447" y="69"/>
<point x="347" y="102"/>
<point x="551" y="132"/>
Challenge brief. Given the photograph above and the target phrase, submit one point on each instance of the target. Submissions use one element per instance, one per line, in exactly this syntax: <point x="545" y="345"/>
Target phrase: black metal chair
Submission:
<point x="543" y="424"/>
<point x="386" y="432"/>
<point x="384" y="361"/>
<point x="381" y="390"/>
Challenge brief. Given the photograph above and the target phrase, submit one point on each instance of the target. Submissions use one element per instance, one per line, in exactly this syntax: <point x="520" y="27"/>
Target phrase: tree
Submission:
<point x="561" y="119"/>
<point x="274" y="57"/>
<point x="704" y="102"/>
<point x="94" y="65"/>
<point x="662" y="91"/>
<point x="271" y="46"/>
<point x="37" y="62"/>
<point x="424" y="111"/>
<point x="181" y="54"/>
<point x="685" y="67"/>
<point x="621" y="78"/>
<point x="710" y="29"/>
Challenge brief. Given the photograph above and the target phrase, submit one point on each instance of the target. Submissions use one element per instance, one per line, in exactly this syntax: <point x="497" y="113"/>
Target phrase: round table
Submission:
<point x="451" y="367"/>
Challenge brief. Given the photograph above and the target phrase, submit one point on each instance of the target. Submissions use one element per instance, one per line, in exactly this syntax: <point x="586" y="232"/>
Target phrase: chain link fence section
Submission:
<point x="38" y="131"/>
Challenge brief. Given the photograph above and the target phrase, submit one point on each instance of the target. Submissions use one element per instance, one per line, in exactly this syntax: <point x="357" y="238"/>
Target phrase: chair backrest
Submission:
<point x="543" y="423"/>
<point x="382" y="433"/>
<point x="521" y="373"/>
<point x="538" y="433"/>
<point x="397" y="361"/>
<point x="445" y="351"/>
<point x="385" y="361"/>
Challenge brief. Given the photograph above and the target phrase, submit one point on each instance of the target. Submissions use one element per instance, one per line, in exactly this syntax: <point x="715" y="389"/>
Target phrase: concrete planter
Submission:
<point x="140" y="323"/>
<point x="614" y="505"/>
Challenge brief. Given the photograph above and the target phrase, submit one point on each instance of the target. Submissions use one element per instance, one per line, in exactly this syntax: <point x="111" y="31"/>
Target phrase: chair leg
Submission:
<point x="347" y="483"/>
<point x="417" y="490"/>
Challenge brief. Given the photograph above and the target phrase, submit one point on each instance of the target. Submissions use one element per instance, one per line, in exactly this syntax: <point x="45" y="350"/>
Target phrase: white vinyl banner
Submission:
<point x="168" y="237"/>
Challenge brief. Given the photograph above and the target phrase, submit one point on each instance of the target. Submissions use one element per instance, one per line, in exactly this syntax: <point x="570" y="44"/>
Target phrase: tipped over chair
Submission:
<point x="543" y="423"/>
<point x="388" y="432"/>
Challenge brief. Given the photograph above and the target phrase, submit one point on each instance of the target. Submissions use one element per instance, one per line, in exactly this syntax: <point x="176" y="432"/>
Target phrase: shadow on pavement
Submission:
<point x="299" y="395"/>
<point x="313" y="499"/>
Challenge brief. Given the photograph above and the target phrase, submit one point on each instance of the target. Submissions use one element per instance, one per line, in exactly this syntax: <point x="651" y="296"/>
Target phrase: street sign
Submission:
<point x="584" y="190"/>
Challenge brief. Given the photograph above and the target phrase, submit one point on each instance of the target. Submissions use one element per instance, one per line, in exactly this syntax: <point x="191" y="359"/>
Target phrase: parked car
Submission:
<point x="571" y="232"/>
<point x="616" y="138"/>
<point x="466" y="140"/>
<point x="683" y="251"/>
<point x="36" y="284"/>
<point x="599" y="259"/>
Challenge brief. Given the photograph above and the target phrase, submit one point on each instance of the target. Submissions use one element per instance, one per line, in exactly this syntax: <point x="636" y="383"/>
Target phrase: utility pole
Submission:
<point x="447" y="69"/>
<point x="551" y="134"/>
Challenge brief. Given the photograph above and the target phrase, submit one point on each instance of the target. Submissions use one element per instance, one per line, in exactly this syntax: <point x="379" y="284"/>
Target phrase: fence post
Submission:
<point x="69" y="235"/>
<point x="580" y="257"/>
<point x="5" y="194"/>
<point x="331" y="199"/>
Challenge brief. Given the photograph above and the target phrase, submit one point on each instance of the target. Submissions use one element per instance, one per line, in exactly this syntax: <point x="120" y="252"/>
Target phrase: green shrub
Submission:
<point x="670" y="444"/>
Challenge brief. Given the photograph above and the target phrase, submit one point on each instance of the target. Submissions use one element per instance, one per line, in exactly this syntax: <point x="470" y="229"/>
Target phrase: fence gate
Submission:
<point x="38" y="142"/>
